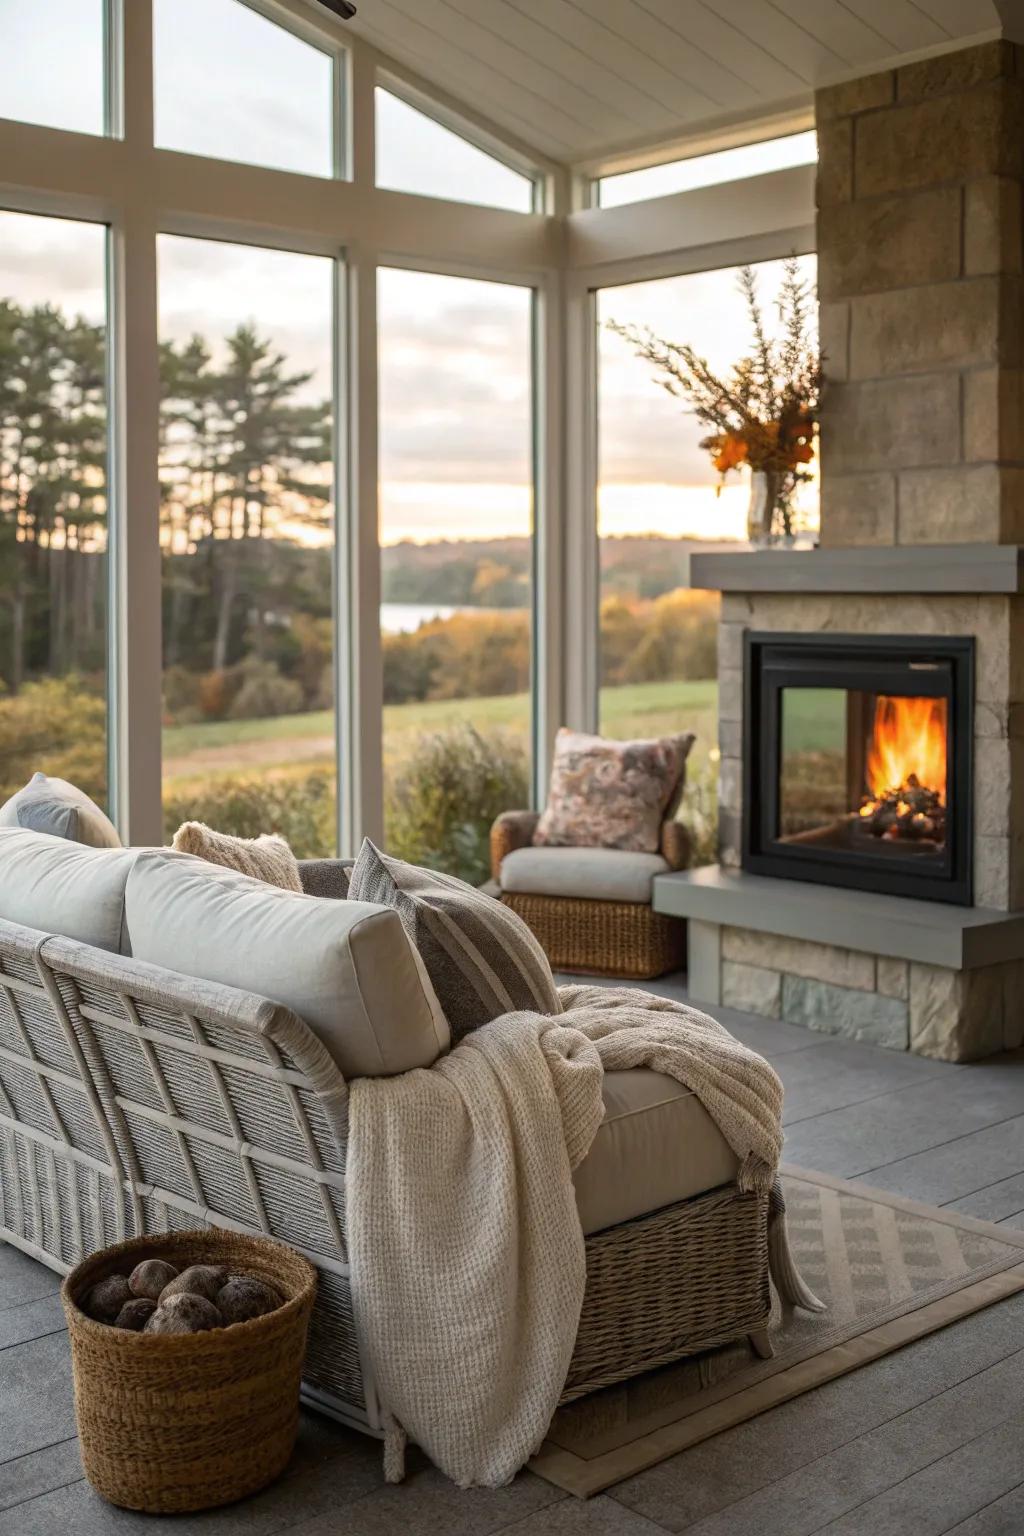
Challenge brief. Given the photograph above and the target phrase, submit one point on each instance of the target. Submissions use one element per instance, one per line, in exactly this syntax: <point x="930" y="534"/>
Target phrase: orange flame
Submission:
<point x="908" y="737"/>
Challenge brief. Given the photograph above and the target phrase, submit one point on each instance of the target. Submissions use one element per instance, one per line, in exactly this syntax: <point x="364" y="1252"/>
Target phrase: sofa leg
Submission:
<point x="761" y="1344"/>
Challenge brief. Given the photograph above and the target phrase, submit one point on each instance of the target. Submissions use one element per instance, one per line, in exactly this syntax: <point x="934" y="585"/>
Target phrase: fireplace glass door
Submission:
<point x="858" y="762"/>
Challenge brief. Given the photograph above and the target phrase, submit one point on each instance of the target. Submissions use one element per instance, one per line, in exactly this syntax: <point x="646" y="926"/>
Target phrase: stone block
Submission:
<point x="858" y="510"/>
<point x="992" y="872"/>
<point x="850" y="96"/>
<point x="730" y="783"/>
<point x="730" y="738"/>
<point x="993" y="767"/>
<point x="730" y="693"/>
<point x="962" y="505"/>
<point x="834" y="339"/>
<point x="730" y="646"/>
<point x="817" y="962"/>
<point x="994" y="414"/>
<point x="955" y="71"/>
<point x="893" y="978"/>
<point x="915" y="330"/>
<point x="1013" y="1005"/>
<point x="956" y="1015"/>
<point x="832" y="1010"/>
<point x="891" y="242"/>
<point x="888" y="424"/>
<point x="944" y="139"/>
<point x="992" y="226"/>
<point x="1012" y="505"/>
<point x="751" y="989"/>
<point x="998" y="718"/>
<point x="834" y="182"/>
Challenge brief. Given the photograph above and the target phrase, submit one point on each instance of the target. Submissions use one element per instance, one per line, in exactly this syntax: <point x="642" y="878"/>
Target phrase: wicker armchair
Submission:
<point x="627" y="939"/>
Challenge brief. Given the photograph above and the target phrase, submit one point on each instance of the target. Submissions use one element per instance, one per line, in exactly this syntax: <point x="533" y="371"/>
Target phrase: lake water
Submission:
<point x="403" y="618"/>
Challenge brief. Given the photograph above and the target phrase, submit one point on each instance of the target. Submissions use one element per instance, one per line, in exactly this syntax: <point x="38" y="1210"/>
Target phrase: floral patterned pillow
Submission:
<point x="612" y="794"/>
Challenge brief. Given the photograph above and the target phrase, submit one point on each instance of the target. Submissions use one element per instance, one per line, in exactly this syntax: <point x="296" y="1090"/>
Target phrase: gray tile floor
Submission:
<point x="926" y="1441"/>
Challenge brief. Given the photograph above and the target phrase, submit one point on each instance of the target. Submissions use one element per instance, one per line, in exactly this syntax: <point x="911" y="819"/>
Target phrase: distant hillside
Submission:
<point x="495" y="573"/>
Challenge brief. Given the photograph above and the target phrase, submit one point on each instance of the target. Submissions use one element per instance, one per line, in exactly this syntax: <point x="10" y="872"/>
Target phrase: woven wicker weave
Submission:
<point x="185" y="1422"/>
<point x="135" y="1100"/>
<point x="602" y="938"/>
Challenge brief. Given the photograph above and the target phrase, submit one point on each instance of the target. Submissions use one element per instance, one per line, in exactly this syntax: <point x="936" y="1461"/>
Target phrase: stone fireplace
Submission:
<point x="871" y="691"/>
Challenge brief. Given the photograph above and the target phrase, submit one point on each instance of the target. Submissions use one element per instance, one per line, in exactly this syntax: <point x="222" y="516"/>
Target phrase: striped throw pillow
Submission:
<point x="480" y="956"/>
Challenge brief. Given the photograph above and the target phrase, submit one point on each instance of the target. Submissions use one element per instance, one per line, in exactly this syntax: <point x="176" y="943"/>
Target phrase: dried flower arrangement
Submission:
<point x="764" y="413"/>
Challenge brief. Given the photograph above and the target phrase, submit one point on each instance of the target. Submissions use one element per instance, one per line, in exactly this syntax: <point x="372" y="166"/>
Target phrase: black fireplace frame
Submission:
<point x="879" y="664"/>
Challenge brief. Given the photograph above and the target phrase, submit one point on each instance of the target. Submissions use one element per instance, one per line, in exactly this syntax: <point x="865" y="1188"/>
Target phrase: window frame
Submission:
<point x="562" y="253"/>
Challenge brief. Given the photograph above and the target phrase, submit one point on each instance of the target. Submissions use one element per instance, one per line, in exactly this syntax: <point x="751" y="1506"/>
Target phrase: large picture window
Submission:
<point x="660" y="501"/>
<point x="53" y="502"/>
<point x="417" y="154"/>
<point x="456" y="526"/>
<point x="232" y="84"/>
<point x="54" y="63"/>
<point x="247" y="537"/>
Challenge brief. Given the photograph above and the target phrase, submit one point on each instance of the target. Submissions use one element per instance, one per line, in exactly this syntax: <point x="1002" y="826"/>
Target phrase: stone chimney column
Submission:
<point x="921" y="284"/>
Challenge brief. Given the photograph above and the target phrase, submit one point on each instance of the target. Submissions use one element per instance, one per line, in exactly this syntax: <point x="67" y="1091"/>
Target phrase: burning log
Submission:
<point x="913" y="812"/>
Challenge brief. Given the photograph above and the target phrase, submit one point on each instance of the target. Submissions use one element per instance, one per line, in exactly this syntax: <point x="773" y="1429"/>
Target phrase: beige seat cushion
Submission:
<point x="602" y="874"/>
<point x="345" y="967"/>
<point x="657" y="1144"/>
<point x="64" y="887"/>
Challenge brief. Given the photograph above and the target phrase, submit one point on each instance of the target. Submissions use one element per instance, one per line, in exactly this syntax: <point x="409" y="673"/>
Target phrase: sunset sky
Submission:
<point x="455" y="354"/>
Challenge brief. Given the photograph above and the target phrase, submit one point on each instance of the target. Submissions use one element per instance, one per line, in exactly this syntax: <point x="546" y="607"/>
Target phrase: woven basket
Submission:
<point x="176" y="1422"/>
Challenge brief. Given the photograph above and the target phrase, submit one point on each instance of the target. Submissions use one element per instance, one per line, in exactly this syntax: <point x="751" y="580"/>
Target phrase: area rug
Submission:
<point x="890" y="1272"/>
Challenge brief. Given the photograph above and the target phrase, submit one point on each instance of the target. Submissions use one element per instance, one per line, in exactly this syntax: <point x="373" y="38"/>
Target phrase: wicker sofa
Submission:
<point x="617" y="933"/>
<point x="137" y="1099"/>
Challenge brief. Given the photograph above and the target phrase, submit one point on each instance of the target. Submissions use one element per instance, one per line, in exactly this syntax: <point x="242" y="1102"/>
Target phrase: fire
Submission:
<point x="908" y="746"/>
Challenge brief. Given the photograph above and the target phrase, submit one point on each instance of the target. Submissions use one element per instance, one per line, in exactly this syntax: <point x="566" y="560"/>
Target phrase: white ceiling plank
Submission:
<point x="961" y="18"/>
<point x="621" y="98"/>
<point x="836" y="28"/>
<point x="767" y="76"/>
<point x="492" y="56"/>
<point x="587" y="30"/>
<point x="632" y="22"/>
<point x="491" y="92"/>
<point x="905" y="25"/>
<point x="534" y="121"/>
<point x="779" y="36"/>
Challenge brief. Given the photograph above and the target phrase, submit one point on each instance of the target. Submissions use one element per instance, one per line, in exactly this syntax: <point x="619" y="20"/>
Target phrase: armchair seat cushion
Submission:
<point x="657" y="1145"/>
<point x="598" y="874"/>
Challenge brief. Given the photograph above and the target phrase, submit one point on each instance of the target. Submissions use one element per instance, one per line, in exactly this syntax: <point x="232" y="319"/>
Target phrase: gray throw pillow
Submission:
<point x="480" y="956"/>
<point x="59" y="809"/>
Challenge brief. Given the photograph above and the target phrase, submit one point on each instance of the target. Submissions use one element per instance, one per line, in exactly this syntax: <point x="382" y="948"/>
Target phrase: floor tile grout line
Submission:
<point x="43" y="1494"/>
<point x="836" y="1109"/>
<point x="38" y="1450"/>
<point x="990" y="1125"/>
<point x="842" y="1444"/>
<point x="951" y="1530"/>
<point x="33" y="1301"/>
<point x="991" y="1430"/>
<point x="20" y="1343"/>
<point x="887" y="1093"/>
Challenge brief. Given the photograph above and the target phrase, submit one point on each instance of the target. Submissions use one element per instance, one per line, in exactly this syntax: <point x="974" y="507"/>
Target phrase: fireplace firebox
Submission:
<point x="857" y="761"/>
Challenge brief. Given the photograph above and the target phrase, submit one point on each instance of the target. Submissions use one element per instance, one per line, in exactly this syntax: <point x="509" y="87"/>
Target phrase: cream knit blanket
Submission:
<point x="468" y="1264"/>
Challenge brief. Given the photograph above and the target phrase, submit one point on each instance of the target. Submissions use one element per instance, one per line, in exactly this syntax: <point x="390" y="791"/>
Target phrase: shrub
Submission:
<point x="443" y="798"/>
<point x="264" y="694"/>
<point x="301" y="810"/>
<point x="58" y="726"/>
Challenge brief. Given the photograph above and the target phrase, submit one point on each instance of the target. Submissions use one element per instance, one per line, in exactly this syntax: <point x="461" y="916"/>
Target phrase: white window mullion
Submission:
<point x="582" y="588"/>
<point x="135" y="415"/>
<point x="359" y="671"/>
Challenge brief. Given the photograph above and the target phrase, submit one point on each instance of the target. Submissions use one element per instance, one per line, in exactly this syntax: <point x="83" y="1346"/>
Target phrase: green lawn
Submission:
<point x="642" y="709"/>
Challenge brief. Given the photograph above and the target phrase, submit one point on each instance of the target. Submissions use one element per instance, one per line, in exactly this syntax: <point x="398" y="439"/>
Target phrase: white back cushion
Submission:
<point x="66" y="888"/>
<point x="345" y="967"/>
<point x="57" y="807"/>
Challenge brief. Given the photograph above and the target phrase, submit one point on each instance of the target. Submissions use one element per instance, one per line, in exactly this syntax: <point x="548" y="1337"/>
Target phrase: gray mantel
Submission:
<point x="960" y="568"/>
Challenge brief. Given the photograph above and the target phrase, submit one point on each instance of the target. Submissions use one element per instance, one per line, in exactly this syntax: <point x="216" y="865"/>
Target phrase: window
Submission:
<point x="456" y="523"/>
<point x="234" y="85"/>
<point x="659" y="502"/>
<point x="54" y="69"/>
<point x="247" y="536"/>
<point x="53" y="502"/>
<point x="708" y="170"/>
<point x="416" y="154"/>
